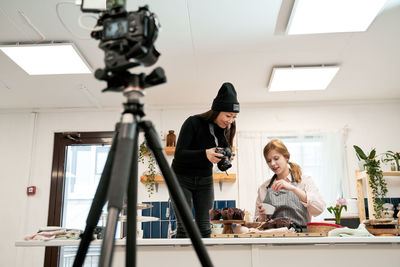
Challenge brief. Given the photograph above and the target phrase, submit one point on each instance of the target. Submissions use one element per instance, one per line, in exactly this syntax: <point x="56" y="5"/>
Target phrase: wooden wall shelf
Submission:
<point x="159" y="179"/>
<point x="218" y="177"/>
<point x="170" y="150"/>
<point x="395" y="173"/>
<point x="223" y="177"/>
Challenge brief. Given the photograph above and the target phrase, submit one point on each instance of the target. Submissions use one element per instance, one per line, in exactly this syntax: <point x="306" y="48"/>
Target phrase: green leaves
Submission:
<point x="372" y="154"/>
<point x="360" y="153"/>
<point x="150" y="172"/>
<point x="392" y="156"/>
<point x="375" y="178"/>
<point x="337" y="211"/>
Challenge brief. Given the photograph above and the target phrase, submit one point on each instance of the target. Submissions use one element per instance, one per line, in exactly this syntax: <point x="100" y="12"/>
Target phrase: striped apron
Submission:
<point x="287" y="204"/>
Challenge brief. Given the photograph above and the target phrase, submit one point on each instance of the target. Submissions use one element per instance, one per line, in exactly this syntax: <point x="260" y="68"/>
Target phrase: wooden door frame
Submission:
<point x="61" y="141"/>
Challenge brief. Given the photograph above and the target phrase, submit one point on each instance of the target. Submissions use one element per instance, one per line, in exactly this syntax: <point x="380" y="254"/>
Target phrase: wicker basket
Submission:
<point x="323" y="228"/>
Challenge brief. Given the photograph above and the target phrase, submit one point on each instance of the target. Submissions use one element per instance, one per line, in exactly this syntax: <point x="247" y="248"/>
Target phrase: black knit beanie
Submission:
<point x="226" y="99"/>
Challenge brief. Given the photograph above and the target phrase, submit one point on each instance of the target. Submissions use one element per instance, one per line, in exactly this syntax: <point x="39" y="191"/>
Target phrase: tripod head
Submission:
<point x="121" y="80"/>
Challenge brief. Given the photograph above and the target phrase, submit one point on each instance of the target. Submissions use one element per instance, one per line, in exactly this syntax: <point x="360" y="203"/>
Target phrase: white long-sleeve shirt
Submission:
<point x="315" y="203"/>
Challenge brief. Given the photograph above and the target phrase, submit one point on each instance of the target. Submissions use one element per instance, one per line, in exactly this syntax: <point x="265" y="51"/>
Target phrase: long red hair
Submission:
<point x="279" y="146"/>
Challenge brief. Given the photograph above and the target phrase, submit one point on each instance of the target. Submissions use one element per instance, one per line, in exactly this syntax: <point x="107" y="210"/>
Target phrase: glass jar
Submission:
<point x="393" y="167"/>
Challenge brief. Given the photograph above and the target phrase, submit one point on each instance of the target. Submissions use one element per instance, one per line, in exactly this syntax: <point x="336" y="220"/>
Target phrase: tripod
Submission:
<point x="121" y="172"/>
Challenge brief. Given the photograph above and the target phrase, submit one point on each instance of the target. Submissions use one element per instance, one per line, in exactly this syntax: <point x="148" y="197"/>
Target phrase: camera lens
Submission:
<point x="224" y="164"/>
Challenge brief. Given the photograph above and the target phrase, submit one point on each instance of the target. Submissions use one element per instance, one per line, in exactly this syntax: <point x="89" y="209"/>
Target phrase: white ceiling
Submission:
<point x="202" y="44"/>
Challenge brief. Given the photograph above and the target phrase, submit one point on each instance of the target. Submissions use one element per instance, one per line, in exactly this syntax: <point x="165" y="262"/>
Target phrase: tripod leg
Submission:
<point x="97" y="205"/>
<point x="119" y="179"/>
<point x="176" y="192"/>
<point x="132" y="207"/>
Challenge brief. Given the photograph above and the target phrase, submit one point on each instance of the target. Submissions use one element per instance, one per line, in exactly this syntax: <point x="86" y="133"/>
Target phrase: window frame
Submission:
<point x="61" y="141"/>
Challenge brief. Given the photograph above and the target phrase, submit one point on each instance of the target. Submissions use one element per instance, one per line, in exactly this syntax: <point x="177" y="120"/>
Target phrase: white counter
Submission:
<point x="256" y="252"/>
<point x="225" y="241"/>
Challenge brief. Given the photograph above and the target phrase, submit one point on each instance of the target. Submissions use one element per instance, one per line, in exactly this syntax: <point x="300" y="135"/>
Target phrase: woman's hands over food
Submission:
<point x="282" y="185"/>
<point x="262" y="213"/>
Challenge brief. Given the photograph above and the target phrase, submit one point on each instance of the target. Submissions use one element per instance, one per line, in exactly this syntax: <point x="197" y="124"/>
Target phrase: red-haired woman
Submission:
<point x="294" y="195"/>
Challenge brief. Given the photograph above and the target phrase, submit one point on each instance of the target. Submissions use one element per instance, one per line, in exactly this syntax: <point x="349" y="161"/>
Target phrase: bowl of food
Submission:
<point x="269" y="209"/>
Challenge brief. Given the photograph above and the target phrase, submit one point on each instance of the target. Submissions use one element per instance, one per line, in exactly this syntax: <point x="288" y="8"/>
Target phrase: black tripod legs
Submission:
<point x="97" y="205"/>
<point x="176" y="192"/>
<point x="130" y="256"/>
<point x="120" y="175"/>
<point x="121" y="172"/>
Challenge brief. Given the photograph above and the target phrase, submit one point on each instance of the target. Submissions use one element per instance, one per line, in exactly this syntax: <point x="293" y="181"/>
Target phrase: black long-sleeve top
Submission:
<point x="190" y="152"/>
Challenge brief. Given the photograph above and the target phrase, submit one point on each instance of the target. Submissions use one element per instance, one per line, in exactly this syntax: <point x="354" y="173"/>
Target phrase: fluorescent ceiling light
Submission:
<point x="301" y="78"/>
<point x="326" y="16"/>
<point x="43" y="59"/>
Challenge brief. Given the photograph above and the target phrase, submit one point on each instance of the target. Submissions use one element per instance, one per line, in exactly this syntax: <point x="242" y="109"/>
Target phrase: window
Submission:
<point x="319" y="155"/>
<point x="83" y="171"/>
<point x="78" y="161"/>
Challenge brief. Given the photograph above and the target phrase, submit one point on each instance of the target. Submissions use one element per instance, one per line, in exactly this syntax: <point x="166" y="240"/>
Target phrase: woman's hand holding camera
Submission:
<point x="212" y="156"/>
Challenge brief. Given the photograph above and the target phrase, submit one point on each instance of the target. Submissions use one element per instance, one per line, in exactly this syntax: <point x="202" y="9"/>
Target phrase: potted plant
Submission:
<point x="392" y="156"/>
<point x="150" y="172"/>
<point x="376" y="181"/>
<point x="336" y="210"/>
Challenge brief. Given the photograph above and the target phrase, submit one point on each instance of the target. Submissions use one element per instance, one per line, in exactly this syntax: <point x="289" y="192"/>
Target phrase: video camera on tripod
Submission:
<point x="127" y="38"/>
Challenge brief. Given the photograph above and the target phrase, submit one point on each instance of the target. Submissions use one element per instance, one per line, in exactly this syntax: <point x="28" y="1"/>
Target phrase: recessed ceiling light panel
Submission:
<point x="328" y="16"/>
<point x="301" y="78"/>
<point x="45" y="59"/>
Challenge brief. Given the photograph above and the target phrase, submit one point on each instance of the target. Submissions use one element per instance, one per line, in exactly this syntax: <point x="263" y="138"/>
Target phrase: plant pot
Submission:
<point x="361" y="165"/>
<point x="352" y="223"/>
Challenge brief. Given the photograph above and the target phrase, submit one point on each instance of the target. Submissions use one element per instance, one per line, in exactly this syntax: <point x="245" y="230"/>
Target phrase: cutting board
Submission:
<point x="267" y="235"/>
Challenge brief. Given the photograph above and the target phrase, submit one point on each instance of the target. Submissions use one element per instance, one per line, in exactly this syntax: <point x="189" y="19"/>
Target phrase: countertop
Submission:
<point x="226" y="241"/>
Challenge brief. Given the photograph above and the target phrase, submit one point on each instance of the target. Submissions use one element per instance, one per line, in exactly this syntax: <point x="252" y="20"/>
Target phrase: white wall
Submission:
<point x="370" y="125"/>
<point x="26" y="156"/>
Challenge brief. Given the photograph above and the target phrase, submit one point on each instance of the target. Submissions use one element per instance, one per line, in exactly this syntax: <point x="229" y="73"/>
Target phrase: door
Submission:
<point x="78" y="161"/>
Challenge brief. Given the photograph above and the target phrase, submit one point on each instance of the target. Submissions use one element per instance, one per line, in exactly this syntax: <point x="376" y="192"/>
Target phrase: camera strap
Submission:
<point x="211" y="126"/>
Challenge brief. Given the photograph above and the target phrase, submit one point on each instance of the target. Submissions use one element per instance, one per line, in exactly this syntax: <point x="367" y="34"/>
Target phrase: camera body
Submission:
<point x="224" y="163"/>
<point x="127" y="37"/>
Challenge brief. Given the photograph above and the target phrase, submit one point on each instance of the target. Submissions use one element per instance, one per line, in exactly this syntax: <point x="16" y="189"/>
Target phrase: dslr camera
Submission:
<point x="224" y="163"/>
<point x="127" y="36"/>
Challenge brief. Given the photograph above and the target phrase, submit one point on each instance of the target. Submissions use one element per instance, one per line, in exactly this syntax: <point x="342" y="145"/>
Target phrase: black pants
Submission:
<point x="198" y="191"/>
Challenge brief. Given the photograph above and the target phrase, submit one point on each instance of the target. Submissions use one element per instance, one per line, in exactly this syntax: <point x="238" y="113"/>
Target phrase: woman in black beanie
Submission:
<point x="195" y="154"/>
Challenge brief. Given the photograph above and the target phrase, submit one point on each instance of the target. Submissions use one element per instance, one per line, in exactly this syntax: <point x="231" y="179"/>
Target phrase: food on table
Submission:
<point x="227" y="214"/>
<point x="275" y="223"/>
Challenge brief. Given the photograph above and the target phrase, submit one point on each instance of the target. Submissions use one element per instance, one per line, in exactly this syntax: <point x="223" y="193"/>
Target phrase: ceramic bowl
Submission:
<point x="388" y="214"/>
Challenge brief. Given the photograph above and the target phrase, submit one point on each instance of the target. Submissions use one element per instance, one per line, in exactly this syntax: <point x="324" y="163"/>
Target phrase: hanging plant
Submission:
<point x="376" y="181"/>
<point x="150" y="173"/>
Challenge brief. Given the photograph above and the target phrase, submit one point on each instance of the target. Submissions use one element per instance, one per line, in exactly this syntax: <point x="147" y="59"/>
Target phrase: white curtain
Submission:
<point x="252" y="169"/>
<point x="320" y="155"/>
